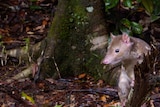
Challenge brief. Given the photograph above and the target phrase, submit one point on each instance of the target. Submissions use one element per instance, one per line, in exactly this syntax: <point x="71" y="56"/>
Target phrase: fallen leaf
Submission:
<point x="81" y="76"/>
<point x="103" y="98"/>
<point x="29" y="98"/>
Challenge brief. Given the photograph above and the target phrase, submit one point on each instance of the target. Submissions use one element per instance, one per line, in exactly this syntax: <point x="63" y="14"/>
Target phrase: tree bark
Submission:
<point x="79" y="28"/>
<point x="76" y="40"/>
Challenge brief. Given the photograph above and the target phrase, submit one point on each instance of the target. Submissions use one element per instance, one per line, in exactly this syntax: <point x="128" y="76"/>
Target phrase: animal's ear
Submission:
<point x="125" y="38"/>
<point x="112" y="36"/>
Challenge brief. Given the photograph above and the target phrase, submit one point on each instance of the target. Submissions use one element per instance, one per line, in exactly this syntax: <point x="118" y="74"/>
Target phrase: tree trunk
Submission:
<point x="75" y="43"/>
<point x="78" y="29"/>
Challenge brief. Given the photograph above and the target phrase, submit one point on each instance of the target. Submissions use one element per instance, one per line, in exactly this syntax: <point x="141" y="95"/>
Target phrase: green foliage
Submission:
<point x="136" y="28"/>
<point x="58" y="106"/>
<point x="152" y="9"/>
<point x="27" y="42"/>
<point x="1" y="43"/>
<point x="127" y="3"/>
<point x="110" y="4"/>
<point x="130" y="27"/>
<point x="154" y="18"/>
<point x="156" y="11"/>
<point x="148" y="4"/>
<point x="29" y="98"/>
<point x="126" y="23"/>
<point x="35" y="7"/>
<point x="122" y="24"/>
<point x="156" y="4"/>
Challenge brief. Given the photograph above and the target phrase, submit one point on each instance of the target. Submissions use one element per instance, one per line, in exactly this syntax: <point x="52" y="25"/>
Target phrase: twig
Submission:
<point x="58" y="71"/>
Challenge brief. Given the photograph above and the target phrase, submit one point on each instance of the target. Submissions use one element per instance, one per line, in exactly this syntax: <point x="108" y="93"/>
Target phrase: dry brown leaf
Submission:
<point x="112" y="104"/>
<point x="81" y="76"/>
<point x="103" y="98"/>
<point x="44" y="22"/>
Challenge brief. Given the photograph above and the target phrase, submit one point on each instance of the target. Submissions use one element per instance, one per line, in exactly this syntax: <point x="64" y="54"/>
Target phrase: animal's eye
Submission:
<point x="117" y="50"/>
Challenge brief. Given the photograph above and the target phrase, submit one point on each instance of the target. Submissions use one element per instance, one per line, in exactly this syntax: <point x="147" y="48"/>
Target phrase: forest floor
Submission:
<point x="23" y="21"/>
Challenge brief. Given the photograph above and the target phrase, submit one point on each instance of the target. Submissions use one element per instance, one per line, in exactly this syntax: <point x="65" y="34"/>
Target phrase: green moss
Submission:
<point x="72" y="17"/>
<point x="72" y="51"/>
<point x="78" y="14"/>
<point x="63" y="27"/>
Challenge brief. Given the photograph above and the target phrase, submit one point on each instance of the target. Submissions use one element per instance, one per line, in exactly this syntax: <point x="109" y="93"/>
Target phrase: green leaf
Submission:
<point x="156" y="4"/>
<point x="136" y="27"/>
<point x="110" y="4"/>
<point x="126" y="23"/>
<point x="154" y="18"/>
<point x="27" y="42"/>
<point x="35" y="7"/>
<point x="148" y="4"/>
<point x="126" y="30"/>
<point x="58" y="106"/>
<point x="24" y="95"/>
<point x="127" y="3"/>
